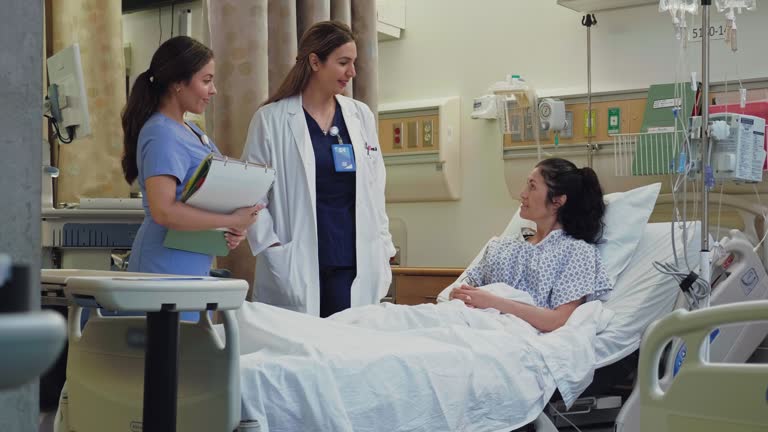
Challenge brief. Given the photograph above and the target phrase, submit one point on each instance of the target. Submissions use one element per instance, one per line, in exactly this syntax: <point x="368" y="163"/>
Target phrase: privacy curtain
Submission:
<point x="255" y="44"/>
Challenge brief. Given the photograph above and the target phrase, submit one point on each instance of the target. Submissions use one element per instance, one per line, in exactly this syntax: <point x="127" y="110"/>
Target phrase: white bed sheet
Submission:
<point x="376" y="368"/>
<point x="303" y="373"/>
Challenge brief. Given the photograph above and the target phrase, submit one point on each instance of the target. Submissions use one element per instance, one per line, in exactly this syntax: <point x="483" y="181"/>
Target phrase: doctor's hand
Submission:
<point x="243" y="218"/>
<point x="474" y="297"/>
<point x="234" y="237"/>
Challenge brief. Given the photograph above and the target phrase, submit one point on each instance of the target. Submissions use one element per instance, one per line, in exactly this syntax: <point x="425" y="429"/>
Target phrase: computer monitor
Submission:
<point x="67" y="98"/>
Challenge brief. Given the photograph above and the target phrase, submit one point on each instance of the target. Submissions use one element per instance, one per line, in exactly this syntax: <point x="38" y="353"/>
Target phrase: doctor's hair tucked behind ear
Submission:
<point x="582" y="214"/>
<point x="321" y="39"/>
<point x="177" y="60"/>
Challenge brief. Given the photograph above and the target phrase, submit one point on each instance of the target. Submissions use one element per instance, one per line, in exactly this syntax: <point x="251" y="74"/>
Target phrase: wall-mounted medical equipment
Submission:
<point x="522" y="116"/>
<point x="67" y="104"/>
<point x="517" y="108"/>
<point x="420" y="142"/>
<point x="85" y="236"/>
<point x="738" y="152"/>
<point x="552" y="116"/>
<point x="485" y="107"/>
<point x="96" y="234"/>
<point x="88" y="238"/>
<point x="506" y="101"/>
<point x="757" y="108"/>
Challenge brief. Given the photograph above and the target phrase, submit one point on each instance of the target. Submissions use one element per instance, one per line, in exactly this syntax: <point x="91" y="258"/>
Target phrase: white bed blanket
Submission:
<point x="403" y="368"/>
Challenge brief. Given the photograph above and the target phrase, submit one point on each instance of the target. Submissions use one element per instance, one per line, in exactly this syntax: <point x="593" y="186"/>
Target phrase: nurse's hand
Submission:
<point x="243" y="218"/>
<point x="234" y="237"/>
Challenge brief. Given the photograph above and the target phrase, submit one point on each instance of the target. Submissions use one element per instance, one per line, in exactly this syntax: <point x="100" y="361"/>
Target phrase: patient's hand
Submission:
<point x="475" y="297"/>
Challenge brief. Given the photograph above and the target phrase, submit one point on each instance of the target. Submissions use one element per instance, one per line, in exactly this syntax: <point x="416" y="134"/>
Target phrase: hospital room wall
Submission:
<point x="456" y="47"/>
<point x="145" y="30"/>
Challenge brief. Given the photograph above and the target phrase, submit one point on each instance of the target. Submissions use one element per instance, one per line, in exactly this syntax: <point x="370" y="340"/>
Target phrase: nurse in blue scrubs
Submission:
<point x="162" y="151"/>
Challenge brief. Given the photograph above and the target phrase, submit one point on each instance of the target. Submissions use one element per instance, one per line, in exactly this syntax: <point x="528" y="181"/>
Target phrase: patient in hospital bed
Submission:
<point x="558" y="265"/>
<point x="519" y="326"/>
<point x="540" y="278"/>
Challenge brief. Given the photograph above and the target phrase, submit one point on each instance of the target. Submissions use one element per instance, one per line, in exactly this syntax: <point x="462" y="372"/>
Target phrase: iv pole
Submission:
<point x="705" y="143"/>
<point x="588" y="21"/>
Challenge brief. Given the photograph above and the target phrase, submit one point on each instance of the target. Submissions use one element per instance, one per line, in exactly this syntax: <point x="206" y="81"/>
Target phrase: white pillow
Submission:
<point x="626" y="214"/>
<point x="642" y="295"/>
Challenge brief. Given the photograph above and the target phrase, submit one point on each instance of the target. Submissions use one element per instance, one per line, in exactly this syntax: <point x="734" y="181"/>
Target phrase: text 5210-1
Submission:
<point x="715" y="32"/>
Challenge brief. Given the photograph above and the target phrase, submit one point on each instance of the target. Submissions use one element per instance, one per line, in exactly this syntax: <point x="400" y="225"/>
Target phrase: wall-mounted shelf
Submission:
<point x="586" y="6"/>
<point x="390" y="21"/>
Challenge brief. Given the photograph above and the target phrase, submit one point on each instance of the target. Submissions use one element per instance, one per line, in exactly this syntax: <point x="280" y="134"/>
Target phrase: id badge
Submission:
<point x="343" y="157"/>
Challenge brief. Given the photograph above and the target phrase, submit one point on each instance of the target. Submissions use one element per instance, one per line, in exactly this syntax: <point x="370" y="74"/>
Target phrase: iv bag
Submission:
<point x="735" y="4"/>
<point x="687" y="6"/>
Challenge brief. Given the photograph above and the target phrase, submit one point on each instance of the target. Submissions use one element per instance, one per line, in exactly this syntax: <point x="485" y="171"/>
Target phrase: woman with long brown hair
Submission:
<point x="323" y="241"/>
<point x="162" y="151"/>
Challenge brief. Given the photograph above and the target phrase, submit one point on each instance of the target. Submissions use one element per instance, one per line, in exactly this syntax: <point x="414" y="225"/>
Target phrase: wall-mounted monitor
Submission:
<point x="67" y="100"/>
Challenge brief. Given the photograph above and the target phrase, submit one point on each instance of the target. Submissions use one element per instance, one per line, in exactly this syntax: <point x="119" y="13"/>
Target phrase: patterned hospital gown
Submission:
<point x="557" y="270"/>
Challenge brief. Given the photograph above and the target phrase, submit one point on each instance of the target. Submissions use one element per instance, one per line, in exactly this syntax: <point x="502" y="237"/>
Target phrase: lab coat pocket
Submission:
<point x="279" y="260"/>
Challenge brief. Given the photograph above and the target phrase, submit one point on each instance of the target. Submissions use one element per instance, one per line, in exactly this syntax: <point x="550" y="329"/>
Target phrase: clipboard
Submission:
<point x="220" y="185"/>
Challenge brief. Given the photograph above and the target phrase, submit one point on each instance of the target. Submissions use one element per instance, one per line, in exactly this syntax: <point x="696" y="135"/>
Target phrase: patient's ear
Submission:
<point x="559" y="200"/>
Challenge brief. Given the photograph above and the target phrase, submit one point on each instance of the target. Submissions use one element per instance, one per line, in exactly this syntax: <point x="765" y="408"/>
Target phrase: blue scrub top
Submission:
<point x="335" y="197"/>
<point x="166" y="147"/>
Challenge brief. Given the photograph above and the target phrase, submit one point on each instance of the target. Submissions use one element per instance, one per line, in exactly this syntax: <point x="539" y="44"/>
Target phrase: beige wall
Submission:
<point x="141" y="30"/>
<point x="461" y="47"/>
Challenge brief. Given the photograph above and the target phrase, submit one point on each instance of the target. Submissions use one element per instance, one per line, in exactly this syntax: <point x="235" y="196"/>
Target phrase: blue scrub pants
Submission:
<point x="335" y="289"/>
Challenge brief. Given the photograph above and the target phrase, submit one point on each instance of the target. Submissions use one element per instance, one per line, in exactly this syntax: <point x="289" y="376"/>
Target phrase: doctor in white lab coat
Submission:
<point x="323" y="241"/>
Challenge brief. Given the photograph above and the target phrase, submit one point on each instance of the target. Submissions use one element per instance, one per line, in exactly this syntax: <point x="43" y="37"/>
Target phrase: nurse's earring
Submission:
<point x="178" y="89"/>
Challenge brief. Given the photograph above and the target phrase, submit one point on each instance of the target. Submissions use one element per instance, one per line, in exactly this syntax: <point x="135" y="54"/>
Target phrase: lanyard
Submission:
<point x="203" y="138"/>
<point x="334" y="131"/>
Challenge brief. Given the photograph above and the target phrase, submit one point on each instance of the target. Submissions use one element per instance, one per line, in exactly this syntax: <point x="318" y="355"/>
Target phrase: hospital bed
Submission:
<point x="738" y="277"/>
<point x="703" y="396"/>
<point x="645" y="297"/>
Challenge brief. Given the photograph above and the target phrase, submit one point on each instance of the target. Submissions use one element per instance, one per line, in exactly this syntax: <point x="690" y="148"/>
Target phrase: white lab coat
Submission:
<point x="287" y="275"/>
